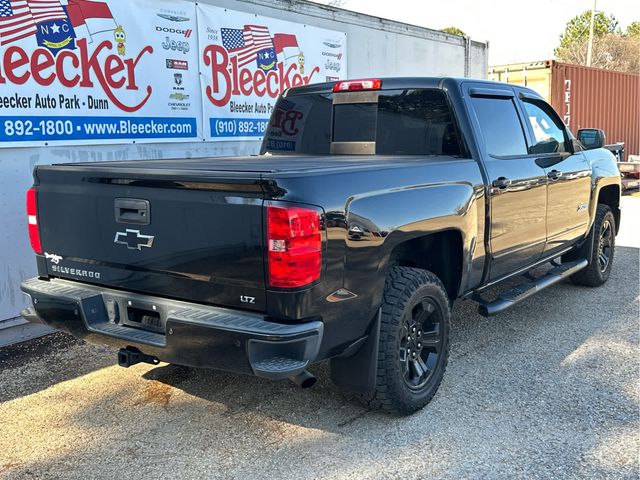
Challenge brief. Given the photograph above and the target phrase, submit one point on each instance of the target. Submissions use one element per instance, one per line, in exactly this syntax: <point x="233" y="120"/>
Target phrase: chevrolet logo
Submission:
<point x="133" y="239"/>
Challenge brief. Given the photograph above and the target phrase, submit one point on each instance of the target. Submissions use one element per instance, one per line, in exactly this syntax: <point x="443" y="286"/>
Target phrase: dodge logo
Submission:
<point x="133" y="239"/>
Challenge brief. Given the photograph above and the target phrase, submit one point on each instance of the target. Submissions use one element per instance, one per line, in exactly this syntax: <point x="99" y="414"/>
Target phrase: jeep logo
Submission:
<point x="169" y="44"/>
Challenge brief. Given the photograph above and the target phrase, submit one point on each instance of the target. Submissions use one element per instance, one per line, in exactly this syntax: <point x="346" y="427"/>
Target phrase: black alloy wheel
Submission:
<point x="600" y="247"/>
<point x="605" y="245"/>
<point x="421" y="344"/>
<point x="414" y="341"/>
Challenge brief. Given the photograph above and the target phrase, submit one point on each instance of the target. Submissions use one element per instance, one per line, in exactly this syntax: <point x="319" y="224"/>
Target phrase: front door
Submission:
<point x="517" y="184"/>
<point x="568" y="173"/>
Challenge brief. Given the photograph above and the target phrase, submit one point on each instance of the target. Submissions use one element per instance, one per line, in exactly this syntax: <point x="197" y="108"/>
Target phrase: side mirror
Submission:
<point x="591" y="138"/>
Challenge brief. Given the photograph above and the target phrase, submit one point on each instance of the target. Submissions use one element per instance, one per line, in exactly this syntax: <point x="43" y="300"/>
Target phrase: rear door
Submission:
<point x="568" y="173"/>
<point x="188" y="238"/>
<point x="517" y="184"/>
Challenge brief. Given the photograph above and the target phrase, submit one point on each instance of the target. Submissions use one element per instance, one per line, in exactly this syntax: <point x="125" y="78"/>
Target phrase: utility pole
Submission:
<point x="590" y="45"/>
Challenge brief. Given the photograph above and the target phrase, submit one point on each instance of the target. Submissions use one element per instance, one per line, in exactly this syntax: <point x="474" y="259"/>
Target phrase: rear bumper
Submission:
<point x="176" y="332"/>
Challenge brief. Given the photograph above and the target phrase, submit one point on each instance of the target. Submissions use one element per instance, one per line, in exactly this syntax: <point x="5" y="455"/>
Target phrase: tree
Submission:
<point x="633" y="30"/>
<point x="577" y="28"/>
<point x="612" y="49"/>
<point x="453" y="31"/>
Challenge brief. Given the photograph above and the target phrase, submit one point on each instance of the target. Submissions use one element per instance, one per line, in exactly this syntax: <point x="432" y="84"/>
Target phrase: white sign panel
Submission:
<point x="247" y="60"/>
<point x="112" y="71"/>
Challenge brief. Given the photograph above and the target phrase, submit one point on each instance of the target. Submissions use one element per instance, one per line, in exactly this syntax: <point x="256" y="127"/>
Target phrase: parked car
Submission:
<point x="373" y="206"/>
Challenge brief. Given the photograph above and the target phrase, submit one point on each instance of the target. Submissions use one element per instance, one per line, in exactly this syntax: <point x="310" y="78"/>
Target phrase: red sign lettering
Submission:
<point x="76" y="69"/>
<point x="227" y="79"/>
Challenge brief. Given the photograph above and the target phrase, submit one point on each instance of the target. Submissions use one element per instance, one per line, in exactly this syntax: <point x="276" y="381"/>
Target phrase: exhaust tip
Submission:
<point x="304" y="380"/>
<point x="308" y="382"/>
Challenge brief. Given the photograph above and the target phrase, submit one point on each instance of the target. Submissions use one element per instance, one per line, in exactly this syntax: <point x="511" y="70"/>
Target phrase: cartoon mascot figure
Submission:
<point x="120" y="38"/>
<point x="301" y="62"/>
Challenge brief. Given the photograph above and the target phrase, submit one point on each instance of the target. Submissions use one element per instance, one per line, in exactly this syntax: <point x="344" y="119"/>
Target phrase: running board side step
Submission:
<point x="523" y="291"/>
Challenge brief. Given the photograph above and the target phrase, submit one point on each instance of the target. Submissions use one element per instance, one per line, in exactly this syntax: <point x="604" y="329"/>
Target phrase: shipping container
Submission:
<point x="374" y="47"/>
<point x="584" y="97"/>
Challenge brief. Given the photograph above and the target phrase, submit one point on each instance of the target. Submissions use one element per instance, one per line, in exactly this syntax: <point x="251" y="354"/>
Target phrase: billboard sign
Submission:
<point x="76" y="72"/>
<point x="83" y="71"/>
<point x="248" y="60"/>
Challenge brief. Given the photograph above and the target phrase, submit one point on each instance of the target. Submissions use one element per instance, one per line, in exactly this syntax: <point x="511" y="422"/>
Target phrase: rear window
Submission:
<point x="355" y="122"/>
<point x="402" y="122"/>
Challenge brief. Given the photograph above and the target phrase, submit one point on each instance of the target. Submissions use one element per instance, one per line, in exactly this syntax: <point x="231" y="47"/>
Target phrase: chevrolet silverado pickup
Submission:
<point x="373" y="205"/>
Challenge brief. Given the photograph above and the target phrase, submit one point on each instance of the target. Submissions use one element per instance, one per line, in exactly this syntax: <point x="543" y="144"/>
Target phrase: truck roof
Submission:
<point x="394" y="83"/>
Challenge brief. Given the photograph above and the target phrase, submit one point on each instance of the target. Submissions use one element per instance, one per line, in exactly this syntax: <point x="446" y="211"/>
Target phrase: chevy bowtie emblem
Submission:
<point x="133" y="239"/>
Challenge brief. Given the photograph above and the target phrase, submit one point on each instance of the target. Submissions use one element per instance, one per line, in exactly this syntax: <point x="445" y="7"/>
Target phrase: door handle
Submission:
<point x="554" y="175"/>
<point x="502" y="183"/>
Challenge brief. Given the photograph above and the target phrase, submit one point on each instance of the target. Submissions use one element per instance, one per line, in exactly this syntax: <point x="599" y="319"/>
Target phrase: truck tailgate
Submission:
<point x="187" y="238"/>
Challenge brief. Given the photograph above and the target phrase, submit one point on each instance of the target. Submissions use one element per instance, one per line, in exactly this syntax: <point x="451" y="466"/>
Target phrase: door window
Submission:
<point x="500" y="126"/>
<point x="548" y="133"/>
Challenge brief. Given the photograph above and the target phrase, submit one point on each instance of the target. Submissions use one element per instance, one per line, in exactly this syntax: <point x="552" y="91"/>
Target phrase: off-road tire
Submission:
<point x="405" y="290"/>
<point x="593" y="275"/>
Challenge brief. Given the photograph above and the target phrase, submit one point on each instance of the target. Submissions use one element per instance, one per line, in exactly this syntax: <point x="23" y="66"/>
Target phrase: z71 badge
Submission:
<point x="55" y="259"/>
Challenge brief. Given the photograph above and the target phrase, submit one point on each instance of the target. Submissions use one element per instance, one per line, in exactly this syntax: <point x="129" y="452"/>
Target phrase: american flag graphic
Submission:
<point x="46" y="10"/>
<point x="16" y="21"/>
<point x="246" y="43"/>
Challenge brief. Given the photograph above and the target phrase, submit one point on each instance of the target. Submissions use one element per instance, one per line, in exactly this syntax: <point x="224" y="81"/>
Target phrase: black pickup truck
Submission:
<point x="373" y="206"/>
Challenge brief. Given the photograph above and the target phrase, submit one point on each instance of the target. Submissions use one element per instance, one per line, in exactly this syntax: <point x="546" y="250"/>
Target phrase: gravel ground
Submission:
<point x="547" y="390"/>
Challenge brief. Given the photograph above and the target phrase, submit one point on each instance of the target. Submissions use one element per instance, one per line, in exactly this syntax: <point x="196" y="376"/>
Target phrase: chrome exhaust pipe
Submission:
<point x="304" y="379"/>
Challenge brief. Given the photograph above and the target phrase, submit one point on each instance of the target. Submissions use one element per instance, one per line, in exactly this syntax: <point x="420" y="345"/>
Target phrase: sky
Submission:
<point x="517" y="30"/>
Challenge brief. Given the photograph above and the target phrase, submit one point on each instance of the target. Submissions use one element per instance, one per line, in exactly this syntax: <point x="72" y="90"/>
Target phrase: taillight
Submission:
<point x="32" y="216"/>
<point x="351" y="85"/>
<point x="294" y="246"/>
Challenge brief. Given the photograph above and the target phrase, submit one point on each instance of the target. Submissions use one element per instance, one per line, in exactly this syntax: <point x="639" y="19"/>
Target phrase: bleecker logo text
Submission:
<point x="73" y="69"/>
<point x="229" y="79"/>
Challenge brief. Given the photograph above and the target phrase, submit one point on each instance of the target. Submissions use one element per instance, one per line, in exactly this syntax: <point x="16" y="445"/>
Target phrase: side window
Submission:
<point x="548" y="133"/>
<point x="500" y="125"/>
<point x="416" y="122"/>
